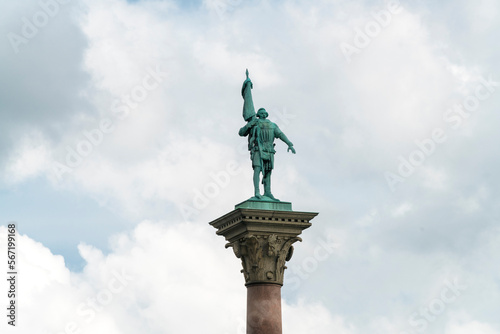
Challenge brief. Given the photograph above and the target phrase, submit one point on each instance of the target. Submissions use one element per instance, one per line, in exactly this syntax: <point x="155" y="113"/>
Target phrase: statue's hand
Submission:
<point x="290" y="148"/>
<point x="249" y="81"/>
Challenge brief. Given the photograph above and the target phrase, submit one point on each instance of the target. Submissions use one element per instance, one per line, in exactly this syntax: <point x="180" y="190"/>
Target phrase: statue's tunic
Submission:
<point x="261" y="143"/>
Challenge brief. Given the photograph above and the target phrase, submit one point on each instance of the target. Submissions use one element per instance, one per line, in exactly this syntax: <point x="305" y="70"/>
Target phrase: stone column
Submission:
<point x="263" y="240"/>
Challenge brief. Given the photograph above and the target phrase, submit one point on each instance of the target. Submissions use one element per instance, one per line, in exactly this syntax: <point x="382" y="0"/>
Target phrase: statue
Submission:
<point x="261" y="133"/>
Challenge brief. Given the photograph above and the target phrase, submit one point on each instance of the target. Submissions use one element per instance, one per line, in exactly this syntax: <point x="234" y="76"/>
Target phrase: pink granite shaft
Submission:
<point x="264" y="309"/>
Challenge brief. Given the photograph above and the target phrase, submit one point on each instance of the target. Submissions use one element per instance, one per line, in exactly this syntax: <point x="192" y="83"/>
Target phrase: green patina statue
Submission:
<point x="261" y="133"/>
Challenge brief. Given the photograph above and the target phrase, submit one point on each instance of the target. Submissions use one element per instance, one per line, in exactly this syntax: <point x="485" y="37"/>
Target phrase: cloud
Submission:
<point x="44" y="79"/>
<point x="306" y="317"/>
<point x="461" y="327"/>
<point x="404" y="83"/>
<point x="30" y="160"/>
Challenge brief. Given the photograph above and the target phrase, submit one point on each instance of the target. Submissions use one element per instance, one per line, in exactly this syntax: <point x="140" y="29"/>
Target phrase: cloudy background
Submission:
<point x="114" y="234"/>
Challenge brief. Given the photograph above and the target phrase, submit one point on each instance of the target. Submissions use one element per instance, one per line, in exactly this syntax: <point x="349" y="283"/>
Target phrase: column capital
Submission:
<point x="263" y="240"/>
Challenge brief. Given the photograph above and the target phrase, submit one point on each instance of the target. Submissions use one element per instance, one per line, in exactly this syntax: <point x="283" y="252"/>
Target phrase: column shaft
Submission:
<point x="264" y="309"/>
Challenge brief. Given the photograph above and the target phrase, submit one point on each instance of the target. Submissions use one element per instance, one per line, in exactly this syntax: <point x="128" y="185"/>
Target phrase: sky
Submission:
<point x="119" y="144"/>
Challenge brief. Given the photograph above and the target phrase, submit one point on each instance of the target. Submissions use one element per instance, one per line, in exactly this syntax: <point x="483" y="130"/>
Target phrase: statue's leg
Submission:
<point x="256" y="178"/>
<point x="267" y="185"/>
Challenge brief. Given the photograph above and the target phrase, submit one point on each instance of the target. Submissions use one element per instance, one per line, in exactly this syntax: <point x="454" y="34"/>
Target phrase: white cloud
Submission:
<point x="402" y="209"/>
<point x="30" y="159"/>
<point x="467" y="327"/>
<point x="305" y="317"/>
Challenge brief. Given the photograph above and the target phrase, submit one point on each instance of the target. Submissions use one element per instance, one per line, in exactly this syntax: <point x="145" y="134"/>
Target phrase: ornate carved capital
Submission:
<point x="263" y="240"/>
<point x="263" y="257"/>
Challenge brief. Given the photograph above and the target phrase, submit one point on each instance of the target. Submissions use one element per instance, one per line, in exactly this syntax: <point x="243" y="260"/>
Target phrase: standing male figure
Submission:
<point x="261" y="133"/>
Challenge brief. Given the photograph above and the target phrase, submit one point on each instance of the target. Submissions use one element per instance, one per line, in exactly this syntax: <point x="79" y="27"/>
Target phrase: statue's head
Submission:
<point x="262" y="113"/>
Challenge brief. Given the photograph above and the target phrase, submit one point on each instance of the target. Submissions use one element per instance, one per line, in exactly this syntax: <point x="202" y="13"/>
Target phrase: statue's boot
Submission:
<point x="257" y="194"/>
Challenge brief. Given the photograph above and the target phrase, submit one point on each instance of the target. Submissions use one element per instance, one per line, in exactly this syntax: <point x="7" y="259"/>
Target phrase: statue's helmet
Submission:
<point x="262" y="113"/>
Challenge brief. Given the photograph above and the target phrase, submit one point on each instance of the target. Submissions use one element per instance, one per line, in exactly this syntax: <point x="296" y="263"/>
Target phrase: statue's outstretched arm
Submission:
<point x="279" y="134"/>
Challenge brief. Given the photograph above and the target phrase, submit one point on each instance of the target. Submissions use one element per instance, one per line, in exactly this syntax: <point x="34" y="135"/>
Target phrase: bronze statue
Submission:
<point x="261" y="133"/>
